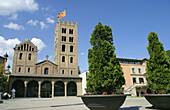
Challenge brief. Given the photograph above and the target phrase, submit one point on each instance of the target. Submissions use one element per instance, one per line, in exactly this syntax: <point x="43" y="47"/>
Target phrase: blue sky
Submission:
<point x="131" y="22"/>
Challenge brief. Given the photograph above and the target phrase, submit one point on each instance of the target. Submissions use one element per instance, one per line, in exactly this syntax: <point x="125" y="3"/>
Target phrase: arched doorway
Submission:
<point x="32" y="89"/>
<point x="18" y="85"/>
<point x="46" y="89"/>
<point x="59" y="89"/>
<point x="71" y="89"/>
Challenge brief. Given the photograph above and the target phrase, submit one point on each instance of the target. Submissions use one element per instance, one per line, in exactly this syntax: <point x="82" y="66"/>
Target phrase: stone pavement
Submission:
<point x="68" y="103"/>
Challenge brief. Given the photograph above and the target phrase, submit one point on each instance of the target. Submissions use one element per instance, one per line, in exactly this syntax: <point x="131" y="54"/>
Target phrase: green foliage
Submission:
<point x="158" y="66"/>
<point x="3" y="78"/>
<point x="106" y="74"/>
<point x="168" y="54"/>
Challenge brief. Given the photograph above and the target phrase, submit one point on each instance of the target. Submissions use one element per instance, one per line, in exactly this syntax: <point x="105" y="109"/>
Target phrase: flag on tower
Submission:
<point x="60" y="15"/>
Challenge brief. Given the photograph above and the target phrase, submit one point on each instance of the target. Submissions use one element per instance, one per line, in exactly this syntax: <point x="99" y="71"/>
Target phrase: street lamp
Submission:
<point x="5" y="56"/>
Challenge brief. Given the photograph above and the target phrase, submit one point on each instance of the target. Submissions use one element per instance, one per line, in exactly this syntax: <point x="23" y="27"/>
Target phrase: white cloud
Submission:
<point x="46" y="8"/>
<point x="32" y="22"/>
<point x="82" y="53"/>
<point x="39" y="43"/>
<point x="7" y="46"/>
<point x="43" y="25"/>
<point x="14" y="16"/>
<point x="49" y="20"/>
<point x="11" y="25"/>
<point x="8" y="7"/>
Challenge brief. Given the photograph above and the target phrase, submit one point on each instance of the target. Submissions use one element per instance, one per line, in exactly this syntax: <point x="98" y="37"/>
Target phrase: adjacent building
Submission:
<point x="2" y="59"/>
<point x="48" y="79"/>
<point x="134" y="74"/>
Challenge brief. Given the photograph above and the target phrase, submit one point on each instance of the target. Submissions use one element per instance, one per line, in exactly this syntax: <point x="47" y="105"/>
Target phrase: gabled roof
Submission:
<point x="28" y="42"/>
<point x="46" y="61"/>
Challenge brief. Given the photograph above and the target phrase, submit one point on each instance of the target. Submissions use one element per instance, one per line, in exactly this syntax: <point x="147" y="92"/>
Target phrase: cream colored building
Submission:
<point x="48" y="79"/>
<point x="83" y="75"/>
<point x="135" y="76"/>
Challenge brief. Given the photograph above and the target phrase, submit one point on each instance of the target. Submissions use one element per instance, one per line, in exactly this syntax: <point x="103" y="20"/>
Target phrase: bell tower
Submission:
<point x="66" y="47"/>
<point x="25" y="57"/>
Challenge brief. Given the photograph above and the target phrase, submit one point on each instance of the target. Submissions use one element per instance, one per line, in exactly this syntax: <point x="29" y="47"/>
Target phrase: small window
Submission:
<point x="29" y="57"/>
<point x="24" y="46"/>
<point x="20" y="56"/>
<point x="70" y="31"/>
<point x="139" y="70"/>
<point x="28" y="70"/>
<point x="21" y="47"/>
<point x="71" y="72"/>
<point x="46" y="71"/>
<point x="18" y="48"/>
<point x="63" y="30"/>
<point x="62" y="71"/>
<point x="63" y="58"/>
<point x="133" y="70"/>
<point x="63" y="38"/>
<point x="27" y="47"/>
<point x="32" y="49"/>
<point x="71" y="60"/>
<point x="19" y="70"/>
<point x="63" y="48"/>
<point x="134" y="80"/>
<point x="141" y="80"/>
<point x="70" y="39"/>
<point x="71" y="48"/>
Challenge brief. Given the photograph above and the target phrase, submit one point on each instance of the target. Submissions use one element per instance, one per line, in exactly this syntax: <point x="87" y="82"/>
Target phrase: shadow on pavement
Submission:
<point x="130" y="108"/>
<point x="47" y="106"/>
<point x="67" y="105"/>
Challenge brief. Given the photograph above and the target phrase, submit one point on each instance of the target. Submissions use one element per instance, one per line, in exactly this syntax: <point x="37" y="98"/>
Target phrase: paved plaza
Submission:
<point x="68" y="103"/>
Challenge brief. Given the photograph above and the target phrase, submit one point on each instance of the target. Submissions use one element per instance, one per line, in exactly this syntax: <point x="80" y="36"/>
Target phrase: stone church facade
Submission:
<point x="48" y="79"/>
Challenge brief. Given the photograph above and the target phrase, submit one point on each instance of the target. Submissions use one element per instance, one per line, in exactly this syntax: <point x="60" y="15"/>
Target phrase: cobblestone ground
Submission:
<point x="69" y="103"/>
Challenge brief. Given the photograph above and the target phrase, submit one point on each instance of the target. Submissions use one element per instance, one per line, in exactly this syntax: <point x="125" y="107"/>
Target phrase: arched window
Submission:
<point x="46" y="71"/>
<point x="30" y="48"/>
<point x="28" y="70"/>
<point x="71" y="48"/>
<point x="21" y="47"/>
<point x="27" y="47"/>
<point x="18" y="48"/>
<point x="24" y="46"/>
<point x="71" y="72"/>
<point x="63" y="48"/>
<point x="71" y="60"/>
<point x="62" y="71"/>
<point x="19" y="70"/>
<point x="29" y="56"/>
<point x="20" y="56"/>
<point x="63" y="58"/>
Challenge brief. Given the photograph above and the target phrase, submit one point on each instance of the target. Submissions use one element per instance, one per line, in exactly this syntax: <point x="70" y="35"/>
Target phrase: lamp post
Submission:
<point x="5" y="56"/>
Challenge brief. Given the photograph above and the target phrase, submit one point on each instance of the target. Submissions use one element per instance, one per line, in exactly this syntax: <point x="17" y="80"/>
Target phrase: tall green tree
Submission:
<point x="168" y="53"/>
<point x="106" y="74"/>
<point x="158" y="66"/>
<point x="3" y="79"/>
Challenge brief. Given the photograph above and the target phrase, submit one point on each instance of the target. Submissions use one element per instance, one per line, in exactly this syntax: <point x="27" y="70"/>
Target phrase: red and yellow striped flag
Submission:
<point x="4" y="67"/>
<point x="60" y="15"/>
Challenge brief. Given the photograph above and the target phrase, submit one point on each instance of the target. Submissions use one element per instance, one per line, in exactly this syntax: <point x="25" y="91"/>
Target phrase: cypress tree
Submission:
<point x="158" y="66"/>
<point x="105" y="72"/>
